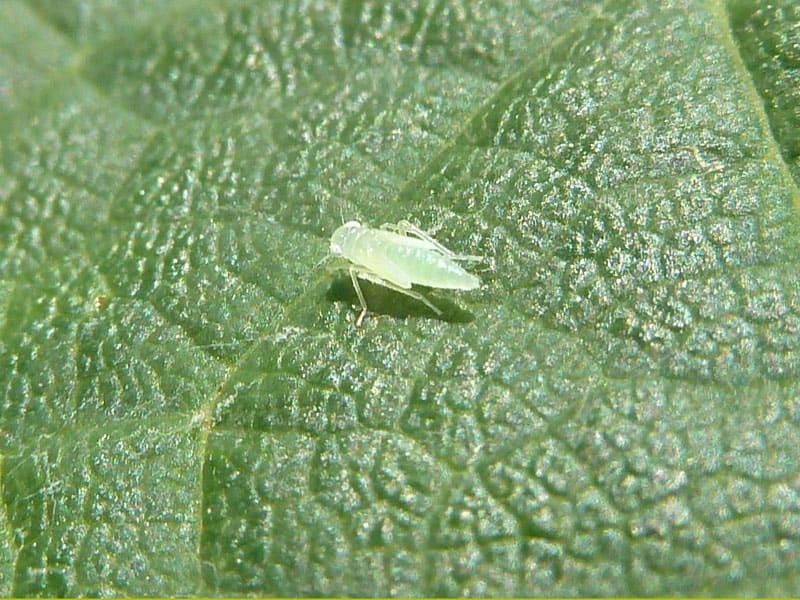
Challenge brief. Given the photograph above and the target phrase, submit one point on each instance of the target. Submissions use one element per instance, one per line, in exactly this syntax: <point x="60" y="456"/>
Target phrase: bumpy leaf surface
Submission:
<point x="187" y="406"/>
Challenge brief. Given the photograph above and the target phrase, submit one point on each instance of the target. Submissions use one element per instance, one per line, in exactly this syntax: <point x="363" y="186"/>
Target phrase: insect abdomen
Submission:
<point x="423" y="266"/>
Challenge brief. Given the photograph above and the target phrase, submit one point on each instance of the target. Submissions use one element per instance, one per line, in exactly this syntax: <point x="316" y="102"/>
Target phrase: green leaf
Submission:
<point x="769" y="37"/>
<point x="187" y="405"/>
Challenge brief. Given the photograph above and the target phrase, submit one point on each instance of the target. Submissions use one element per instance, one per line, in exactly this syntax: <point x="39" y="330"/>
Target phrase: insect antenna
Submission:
<point x="322" y="261"/>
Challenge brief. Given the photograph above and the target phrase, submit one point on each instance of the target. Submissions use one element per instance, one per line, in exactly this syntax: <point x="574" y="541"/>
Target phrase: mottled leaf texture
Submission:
<point x="187" y="405"/>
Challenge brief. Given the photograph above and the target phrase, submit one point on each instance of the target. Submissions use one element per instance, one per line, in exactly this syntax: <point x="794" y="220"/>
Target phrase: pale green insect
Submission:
<point x="397" y="257"/>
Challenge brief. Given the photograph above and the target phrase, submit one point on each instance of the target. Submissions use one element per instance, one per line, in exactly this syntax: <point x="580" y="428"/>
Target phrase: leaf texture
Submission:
<point x="187" y="406"/>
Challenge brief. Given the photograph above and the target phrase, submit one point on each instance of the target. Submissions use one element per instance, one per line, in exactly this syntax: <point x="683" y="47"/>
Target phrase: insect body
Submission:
<point x="398" y="256"/>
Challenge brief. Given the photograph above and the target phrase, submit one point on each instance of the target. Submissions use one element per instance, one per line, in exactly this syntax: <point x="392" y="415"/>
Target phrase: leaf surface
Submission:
<point x="188" y="408"/>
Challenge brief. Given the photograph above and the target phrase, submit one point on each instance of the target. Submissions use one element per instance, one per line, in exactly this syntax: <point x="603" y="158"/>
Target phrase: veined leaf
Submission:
<point x="187" y="406"/>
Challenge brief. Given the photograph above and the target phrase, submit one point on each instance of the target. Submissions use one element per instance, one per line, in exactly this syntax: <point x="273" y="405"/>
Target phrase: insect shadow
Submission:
<point x="387" y="302"/>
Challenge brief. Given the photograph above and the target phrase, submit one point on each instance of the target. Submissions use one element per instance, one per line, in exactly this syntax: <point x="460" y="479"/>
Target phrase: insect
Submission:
<point x="398" y="256"/>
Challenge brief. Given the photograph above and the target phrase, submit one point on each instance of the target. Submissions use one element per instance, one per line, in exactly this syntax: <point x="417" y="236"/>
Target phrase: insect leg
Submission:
<point x="356" y="272"/>
<point x="354" y="276"/>
<point x="408" y="228"/>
